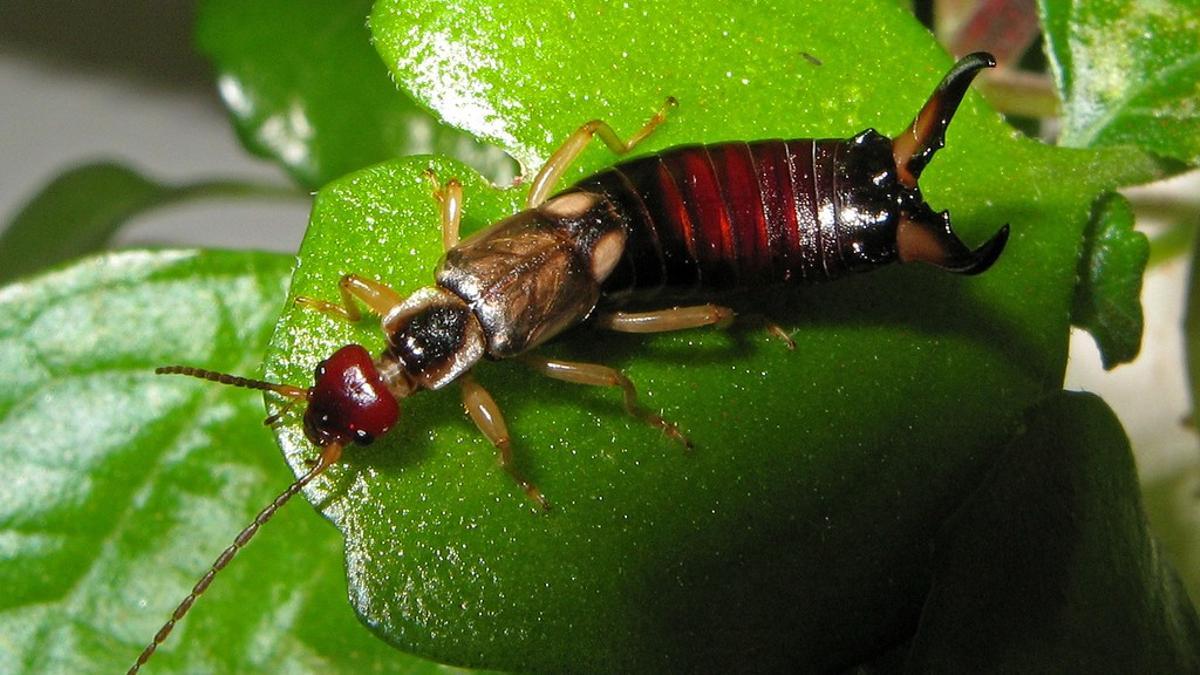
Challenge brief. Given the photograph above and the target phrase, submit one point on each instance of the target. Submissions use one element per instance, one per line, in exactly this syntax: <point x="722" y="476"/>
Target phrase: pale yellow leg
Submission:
<point x="778" y="331"/>
<point x="603" y="376"/>
<point x="554" y="167"/>
<point x="376" y="296"/>
<point x="663" y="320"/>
<point x="486" y="414"/>
<point x="450" y="197"/>
<point x="680" y="318"/>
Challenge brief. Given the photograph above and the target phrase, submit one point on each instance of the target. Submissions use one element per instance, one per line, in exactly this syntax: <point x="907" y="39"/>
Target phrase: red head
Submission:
<point x="349" y="401"/>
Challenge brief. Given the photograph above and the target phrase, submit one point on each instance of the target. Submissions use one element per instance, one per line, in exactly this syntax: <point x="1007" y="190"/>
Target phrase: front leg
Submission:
<point x="449" y="197"/>
<point x="378" y="297"/>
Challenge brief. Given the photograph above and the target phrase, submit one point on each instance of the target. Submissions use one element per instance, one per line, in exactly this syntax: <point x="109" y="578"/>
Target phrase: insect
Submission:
<point x="689" y="222"/>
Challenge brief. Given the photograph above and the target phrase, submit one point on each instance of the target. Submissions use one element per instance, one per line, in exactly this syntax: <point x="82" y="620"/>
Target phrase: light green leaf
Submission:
<point x="121" y="487"/>
<point x="1128" y="72"/>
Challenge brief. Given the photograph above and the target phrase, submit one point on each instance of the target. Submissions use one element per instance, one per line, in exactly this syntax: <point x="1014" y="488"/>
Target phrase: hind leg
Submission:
<point x="682" y="318"/>
<point x="602" y="376"/>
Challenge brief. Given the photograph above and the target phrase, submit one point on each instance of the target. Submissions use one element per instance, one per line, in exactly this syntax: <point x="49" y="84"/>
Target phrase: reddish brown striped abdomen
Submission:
<point x="716" y="218"/>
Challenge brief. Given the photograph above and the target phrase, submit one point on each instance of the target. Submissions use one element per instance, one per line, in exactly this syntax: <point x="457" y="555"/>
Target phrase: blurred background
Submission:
<point x="82" y="81"/>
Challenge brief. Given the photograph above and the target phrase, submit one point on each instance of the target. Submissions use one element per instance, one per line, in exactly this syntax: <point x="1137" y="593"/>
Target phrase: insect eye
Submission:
<point x="361" y="437"/>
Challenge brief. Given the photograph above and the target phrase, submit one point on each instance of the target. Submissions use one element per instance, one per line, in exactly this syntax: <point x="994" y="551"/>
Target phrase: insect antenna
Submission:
<point x="234" y="380"/>
<point x="329" y="456"/>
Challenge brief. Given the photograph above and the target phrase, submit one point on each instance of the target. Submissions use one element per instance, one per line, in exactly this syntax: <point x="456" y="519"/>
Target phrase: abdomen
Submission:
<point x="706" y="219"/>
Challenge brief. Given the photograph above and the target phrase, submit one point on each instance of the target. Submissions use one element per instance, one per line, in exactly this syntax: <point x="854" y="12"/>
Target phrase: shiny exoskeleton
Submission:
<point x="689" y="222"/>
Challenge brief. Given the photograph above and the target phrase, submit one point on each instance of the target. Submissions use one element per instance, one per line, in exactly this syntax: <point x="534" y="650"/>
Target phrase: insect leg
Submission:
<point x="773" y="329"/>
<point x="450" y="197"/>
<point x="554" y="167"/>
<point x="663" y="320"/>
<point x="777" y="331"/>
<point x="376" y="296"/>
<point x="680" y="318"/>
<point x="486" y="414"/>
<point x="602" y="376"/>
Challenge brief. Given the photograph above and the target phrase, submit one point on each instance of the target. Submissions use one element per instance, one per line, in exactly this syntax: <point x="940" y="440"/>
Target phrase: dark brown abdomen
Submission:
<point x="714" y="218"/>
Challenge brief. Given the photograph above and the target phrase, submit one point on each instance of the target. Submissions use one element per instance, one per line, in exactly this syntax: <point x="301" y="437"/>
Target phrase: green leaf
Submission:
<point x="1174" y="241"/>
<point x="1191" y="327"/>
<point x="1108" y="300"/>
<point x="1128" y="72"/>
<point x="81" y="209"/>
<point x="797" y="532"/>
<point x="121" y="487"/>
<point x="1049" y="567"/>
<point x="1173" y="508"/>
<point x="304" y="88"/>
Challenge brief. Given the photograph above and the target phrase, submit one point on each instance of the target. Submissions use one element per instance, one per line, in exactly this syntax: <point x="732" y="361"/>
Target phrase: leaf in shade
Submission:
<point x="1128" y="73"/>
<point x="1174" y="240"/>
<point x="803" y="518"/>
<point x="305" y="88"/>
<point x="1191" y="326"/>
<point x="121" y="487"/>
<point x="81" y="209"/>
<point x="1049" y="567"/>
<point x="1172" y="506"/>
<point x="1108" y="301"/>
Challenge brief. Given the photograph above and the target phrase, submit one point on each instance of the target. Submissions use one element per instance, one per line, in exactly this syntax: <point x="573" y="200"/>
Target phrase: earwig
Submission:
<point x="688" y="222"/>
